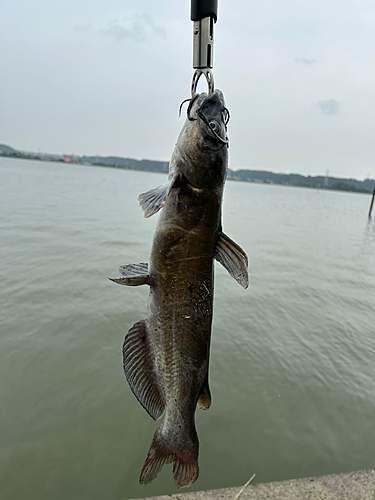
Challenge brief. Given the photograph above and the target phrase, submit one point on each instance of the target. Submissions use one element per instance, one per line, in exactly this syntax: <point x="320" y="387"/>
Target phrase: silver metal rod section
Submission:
<point x="203" y="43"/>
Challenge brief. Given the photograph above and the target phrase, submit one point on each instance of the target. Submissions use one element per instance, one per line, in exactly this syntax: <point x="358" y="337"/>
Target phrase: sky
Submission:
<point x="106" y="77"/>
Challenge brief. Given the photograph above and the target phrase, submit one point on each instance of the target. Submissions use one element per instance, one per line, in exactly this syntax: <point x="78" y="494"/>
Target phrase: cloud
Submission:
<point x="303" y="60"/>
<point x="139" y="28"/>
<point x="329" y="107"/>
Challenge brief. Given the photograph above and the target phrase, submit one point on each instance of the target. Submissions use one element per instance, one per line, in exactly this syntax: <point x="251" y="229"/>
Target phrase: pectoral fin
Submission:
<point x="152" y="201"/>
<point x="140" y="370"/>
<point x="133" y="275"/>
<point x="233" y="258"/>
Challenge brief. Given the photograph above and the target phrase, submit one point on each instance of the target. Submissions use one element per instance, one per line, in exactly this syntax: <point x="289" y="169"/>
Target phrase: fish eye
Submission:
<point x="214" y="126"/>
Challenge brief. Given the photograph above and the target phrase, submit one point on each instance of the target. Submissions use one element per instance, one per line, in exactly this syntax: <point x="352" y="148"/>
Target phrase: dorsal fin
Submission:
<point x="140" y="370"/>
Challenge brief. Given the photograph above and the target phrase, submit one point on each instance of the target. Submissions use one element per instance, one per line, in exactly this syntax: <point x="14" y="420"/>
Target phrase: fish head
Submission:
<point x="212" y="117"/>
<point x="202" y="147"/>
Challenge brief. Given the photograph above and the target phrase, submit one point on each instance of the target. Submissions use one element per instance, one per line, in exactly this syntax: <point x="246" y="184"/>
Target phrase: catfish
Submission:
<point x="166" y="355"/>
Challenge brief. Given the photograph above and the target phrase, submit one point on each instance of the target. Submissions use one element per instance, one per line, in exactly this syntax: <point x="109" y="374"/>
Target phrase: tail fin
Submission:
<point x="185" y="461"/>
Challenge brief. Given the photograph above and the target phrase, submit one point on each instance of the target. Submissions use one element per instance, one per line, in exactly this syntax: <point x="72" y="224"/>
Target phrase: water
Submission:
<point x="292" y="363"/>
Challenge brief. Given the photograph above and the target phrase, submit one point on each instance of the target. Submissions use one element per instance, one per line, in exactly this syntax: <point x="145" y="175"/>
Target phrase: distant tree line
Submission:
<point x="128" y="163"/>
<point x="258" y="176"/>
<point x="319" y="182"/>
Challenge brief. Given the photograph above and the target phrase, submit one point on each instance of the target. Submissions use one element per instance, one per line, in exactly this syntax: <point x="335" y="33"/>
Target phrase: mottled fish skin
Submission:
<point x="166" y="356"/>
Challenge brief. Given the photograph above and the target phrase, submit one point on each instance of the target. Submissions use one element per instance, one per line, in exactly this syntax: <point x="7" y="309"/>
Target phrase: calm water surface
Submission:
<point x="293" y="357"/>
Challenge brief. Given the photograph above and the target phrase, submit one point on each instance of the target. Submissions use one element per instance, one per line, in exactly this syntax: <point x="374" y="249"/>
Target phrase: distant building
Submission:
<point x="68" y="158"/>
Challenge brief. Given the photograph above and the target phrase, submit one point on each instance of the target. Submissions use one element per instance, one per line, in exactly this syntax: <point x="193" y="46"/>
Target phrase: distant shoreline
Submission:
<point x="254" y="176"/>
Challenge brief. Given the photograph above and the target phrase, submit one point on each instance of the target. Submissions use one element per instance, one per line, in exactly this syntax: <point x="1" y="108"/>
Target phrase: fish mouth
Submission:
<point x="215" y="115"/>
<point x="212" y="111"/>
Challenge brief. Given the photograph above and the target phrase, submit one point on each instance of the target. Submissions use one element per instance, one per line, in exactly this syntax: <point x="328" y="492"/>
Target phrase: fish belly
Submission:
<point x="180" y="316"/>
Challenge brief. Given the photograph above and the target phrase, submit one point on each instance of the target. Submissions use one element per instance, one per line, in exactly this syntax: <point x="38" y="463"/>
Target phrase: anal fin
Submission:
<point x="133" y="275"/>
<point x="140" y="370"/>
<point x="152" y="201"/>
<point x="233" y="258"/>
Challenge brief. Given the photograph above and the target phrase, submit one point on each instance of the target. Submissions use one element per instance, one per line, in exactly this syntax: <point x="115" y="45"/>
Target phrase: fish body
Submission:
<point x="166" y="356"/>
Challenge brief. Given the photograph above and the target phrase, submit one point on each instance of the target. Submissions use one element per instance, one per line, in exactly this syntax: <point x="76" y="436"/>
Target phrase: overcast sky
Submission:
<point x="106" y="77"/>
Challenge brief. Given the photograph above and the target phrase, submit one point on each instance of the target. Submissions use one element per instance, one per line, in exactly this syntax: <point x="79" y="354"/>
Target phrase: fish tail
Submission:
<point x="185" y="461"/>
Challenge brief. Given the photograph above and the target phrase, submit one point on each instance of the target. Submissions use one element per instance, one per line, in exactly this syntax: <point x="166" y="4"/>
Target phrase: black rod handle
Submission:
<point x="203" y="8"/>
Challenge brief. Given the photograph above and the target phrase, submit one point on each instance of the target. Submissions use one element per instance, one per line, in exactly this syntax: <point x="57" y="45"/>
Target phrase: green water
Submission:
<point x="293" y="357"/>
